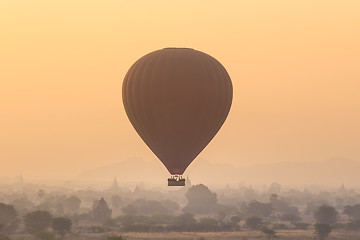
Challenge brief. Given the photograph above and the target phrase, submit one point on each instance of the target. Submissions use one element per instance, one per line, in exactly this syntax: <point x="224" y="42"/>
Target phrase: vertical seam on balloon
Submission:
<point x="149" y="76"/>
<point x="132" y="101"/>
<point x="127" y="94"/>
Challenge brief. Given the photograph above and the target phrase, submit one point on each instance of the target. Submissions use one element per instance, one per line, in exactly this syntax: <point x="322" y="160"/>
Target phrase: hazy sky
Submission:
<point x="295" y="67"/>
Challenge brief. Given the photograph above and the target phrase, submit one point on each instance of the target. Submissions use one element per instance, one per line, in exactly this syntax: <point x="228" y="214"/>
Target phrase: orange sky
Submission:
<point x="295" y="67"/>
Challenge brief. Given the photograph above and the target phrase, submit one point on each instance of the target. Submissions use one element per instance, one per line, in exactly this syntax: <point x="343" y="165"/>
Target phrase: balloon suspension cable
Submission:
<point x="176" y="180"/>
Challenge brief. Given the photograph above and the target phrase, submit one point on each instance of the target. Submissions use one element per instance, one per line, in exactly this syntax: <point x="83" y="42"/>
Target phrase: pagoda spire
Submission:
<point x="115" y="185"/>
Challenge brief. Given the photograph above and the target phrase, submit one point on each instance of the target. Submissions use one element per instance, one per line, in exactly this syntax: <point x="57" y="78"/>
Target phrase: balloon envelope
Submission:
<point x="177" y="99"/>
<point x="41" y="193"/>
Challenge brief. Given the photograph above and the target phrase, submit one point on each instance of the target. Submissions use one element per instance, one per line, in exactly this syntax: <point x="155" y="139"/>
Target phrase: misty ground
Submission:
<point x="193" y="212"/>
<point x="243" y="235"/>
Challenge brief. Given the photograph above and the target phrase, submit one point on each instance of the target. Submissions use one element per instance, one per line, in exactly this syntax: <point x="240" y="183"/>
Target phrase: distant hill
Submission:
<point x="335" y="172"/>
<point x="133" y="169"/>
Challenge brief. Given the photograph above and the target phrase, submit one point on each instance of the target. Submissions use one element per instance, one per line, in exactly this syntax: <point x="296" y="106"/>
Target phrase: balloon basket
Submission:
<point x="176" y="180"/>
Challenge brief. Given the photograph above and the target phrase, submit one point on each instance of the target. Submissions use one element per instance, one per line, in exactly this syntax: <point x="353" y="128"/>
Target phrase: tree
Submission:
<point x="160" y="219"/>
<point x="312" y="206"/>
<point x="8" y="217"/>
<point x="278" y="204"/>
<point x="326" y="214"/>
<point x="72" y="204"/>
<point x="185" y="218"/>
<point x="353" y="225"/>
<point x="183" y="222"/>
<point x="282" y="206"/>
<point x="200" y="200"/>
<point x="37" y="221"/>
<point x="352" y="211"/>
<point x="22" y="204"/>
<point x="200" y="194"/>
<point x="291" y="217"/>
<point x="171" y="206"/>
<point x="322" y="230"/>
<point x="300" y="225"/>
<point x="61" y="225"/>
<point x="253" y="222"/>
<point x="114" y="236"/>
<point x="130" y="209"/>
<point x="225" y="211"/>
<point x="207" y="225"/>
<point x="235" y="219"/>
<point x="259" y="209"/>
<point x="268" y="231"/>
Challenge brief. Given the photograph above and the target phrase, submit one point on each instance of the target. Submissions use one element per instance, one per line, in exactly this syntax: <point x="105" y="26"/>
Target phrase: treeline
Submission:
<point x="203" y="211"/>
<point x="185" y="222"/>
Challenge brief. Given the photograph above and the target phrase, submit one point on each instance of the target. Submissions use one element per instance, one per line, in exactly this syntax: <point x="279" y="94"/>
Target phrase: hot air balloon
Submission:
<point x="177" y="99"/>
<point x="41" y="193"/>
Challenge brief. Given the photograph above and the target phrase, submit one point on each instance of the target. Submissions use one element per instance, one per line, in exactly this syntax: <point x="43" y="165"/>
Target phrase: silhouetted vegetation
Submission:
<point x="72" y="204"/>
<point x="37" y="221"/>
<point x="191" y="209"/>
<point x="254" y="222"/>
<point x="352" y="211"/>
<point x="61" y="225"/>
<point x="326" y="214"/>
<point x="322" y="230"/>
<point x="268" y="232"/>
<point x="259" y="209"/>
<point x="8" y="218"/>
<point x="300" y="225"/>
<point x="200" y="200"/>
<point x="114" y="236"/>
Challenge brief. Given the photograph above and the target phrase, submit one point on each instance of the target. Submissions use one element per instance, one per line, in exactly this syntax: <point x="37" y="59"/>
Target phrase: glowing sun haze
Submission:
<point x="295" y="68"/>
